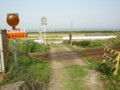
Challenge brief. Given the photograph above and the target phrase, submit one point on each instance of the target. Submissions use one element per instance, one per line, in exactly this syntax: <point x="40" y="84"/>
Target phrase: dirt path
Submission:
<point x="62" y="57"/>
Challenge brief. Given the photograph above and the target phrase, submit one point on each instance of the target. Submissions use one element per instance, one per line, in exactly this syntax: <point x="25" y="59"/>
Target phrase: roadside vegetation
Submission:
<point x="75" y="74"/>
<point x="111" y="81"/>
<point x="29" y="46"/>
<point x="90" y="44"/>
<point x="29" y="68"/>
<point x="92" y="64"/>
<point x="67" y="32"/>
<point x="58" y="35"/>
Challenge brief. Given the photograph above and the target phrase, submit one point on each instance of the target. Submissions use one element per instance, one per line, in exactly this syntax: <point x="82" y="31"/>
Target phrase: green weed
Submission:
<point x="28" y="69"/>
<point x="92" y="64"/>
<point x="74" y="75"/>
<point x="95" y="43"/>
<point x="29" y="46"/>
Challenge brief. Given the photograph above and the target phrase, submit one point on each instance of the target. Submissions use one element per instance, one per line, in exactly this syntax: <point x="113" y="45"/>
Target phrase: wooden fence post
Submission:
<point x="70" y="39"/>
<point x="3" y="50"/>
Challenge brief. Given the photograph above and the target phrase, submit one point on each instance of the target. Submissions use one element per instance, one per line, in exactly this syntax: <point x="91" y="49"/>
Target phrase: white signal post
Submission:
<point x="44" y="33"/>
<point x="44" y="20"/>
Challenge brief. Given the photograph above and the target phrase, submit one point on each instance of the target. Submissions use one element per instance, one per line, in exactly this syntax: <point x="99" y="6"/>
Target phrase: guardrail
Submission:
<point x="112" y="56"/>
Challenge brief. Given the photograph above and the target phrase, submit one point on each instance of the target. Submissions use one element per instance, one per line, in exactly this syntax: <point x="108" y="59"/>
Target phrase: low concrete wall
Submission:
<point x="89" y="37"/>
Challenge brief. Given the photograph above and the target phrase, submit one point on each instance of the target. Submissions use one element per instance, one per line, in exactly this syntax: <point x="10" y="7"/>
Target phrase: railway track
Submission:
<point x="95" y="54"/>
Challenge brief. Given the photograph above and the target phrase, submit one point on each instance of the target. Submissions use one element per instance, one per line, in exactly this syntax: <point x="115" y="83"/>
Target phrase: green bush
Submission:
<point x="29" y="46"/>
<point x="95" y="43"/>
<point x="92" y="64"/>
<point x="28" y="69"/>
<point x="88" y="43"/>
<point x="85" y="43"/>
<point x="113" y="81"/>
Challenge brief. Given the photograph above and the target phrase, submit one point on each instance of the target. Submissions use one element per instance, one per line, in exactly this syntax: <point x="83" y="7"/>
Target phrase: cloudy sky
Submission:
<point x="62" y="14"/>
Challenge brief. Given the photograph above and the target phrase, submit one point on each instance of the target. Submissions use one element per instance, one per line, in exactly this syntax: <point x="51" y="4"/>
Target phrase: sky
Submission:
<point x="63" y="14"/>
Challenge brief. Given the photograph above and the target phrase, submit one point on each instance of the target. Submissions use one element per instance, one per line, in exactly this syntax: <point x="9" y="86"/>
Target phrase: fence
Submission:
<point x="112" y="56"/>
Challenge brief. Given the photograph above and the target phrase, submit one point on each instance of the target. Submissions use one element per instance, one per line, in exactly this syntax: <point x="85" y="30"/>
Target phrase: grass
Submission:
<point x="65" y="32"/>
<point x="74" y="75"/>
<point x="57" y="35"/>
<point x="90" y="44"/>
<point x="28" y="69"/>
<point x="92" y="65"/>
<point x="29" y="46"/>
<point x="86" y="44"/>
<point x="56" y="45"/>
<point x="111" y="82"/>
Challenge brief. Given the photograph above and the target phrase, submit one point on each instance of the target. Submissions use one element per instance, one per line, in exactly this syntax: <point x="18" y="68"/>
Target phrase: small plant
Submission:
<point x="92" y="64"/>
<point x="85" y="43"/>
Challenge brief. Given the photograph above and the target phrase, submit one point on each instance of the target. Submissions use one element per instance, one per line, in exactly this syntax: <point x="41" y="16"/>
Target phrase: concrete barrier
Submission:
<point x="89" y="37"/>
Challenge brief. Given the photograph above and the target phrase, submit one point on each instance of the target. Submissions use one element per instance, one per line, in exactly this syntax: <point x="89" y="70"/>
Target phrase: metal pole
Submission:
<point x="40" y="36"/>
<point x="44" y="33"/>
<point x="15" y="50"/>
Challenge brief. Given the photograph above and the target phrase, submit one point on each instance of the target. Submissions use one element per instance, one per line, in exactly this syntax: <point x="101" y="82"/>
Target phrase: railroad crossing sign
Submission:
<point x="44" y="21"/>
<point x="13" y="20"/>
<point x="16" y="34"/>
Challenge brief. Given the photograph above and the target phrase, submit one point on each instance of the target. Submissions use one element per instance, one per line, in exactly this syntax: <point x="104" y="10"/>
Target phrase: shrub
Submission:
<point x="96" y="43"/>
<point x="28" y="69"/>
<point x="85" y="43"/>
<point x="29" y="46"/>
<point x="88" y="43"/>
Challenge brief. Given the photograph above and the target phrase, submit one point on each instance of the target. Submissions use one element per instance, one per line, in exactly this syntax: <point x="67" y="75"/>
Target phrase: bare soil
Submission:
<point x="95" y="54"/>
<point x="92" y="81"/>
<point x="62" y="57"/>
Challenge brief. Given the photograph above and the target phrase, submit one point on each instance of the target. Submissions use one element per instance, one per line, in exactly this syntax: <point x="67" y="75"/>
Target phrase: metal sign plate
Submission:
<point x="16" y="34"/>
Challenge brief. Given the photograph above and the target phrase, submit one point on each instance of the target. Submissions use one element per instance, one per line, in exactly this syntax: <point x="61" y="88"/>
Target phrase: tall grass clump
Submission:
<point x="95" y="43"/>
<point x="29" y="46"/>
<point x="112" y="82"/>
<point x="92" y="64"/>
<point x="28" y="69"/>
<point x="86" y="43"/>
